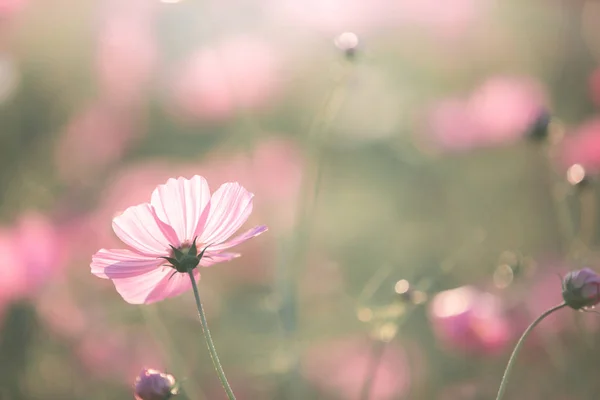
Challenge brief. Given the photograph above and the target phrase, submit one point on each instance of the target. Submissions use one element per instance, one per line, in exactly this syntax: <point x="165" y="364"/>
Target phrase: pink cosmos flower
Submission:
<point x="466" y="319"/>
<point x="24" y="271"/>
<point x="500" y="111"/>
<point x="241" y="73"/>
<point x="583" y="146"/>
<point x="98" y="126"/>
<point x="126" y="58"/>
<point x="165" y="235"/>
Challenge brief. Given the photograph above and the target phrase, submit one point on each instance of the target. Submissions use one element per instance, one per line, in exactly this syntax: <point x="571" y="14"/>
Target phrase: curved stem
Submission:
<point x="209" y="342"/>
<point x="513" y="356"/>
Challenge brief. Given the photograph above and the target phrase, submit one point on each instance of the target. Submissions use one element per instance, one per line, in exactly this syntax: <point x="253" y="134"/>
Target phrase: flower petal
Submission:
<point x="180" y="202"/>
<point x="171" y="286"/>
<point x="249" y="234"/>
<point x="214" y="258"/>
<point x="230" y="206"/>
<point x="139" y="228"/>
<point x="109" y="264"/>
<point x="138" y="289"/>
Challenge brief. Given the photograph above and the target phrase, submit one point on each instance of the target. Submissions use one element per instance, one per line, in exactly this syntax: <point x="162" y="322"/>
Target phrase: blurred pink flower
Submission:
<point x="93" y="139"/>
<point x="30" y="253"/>
<point x="273" y="170"/>
<point x="583" y="146"/>
<point x="179" y="212"/>
<point x="10" y="7"/>
<point x="214" y="83"/>
<point x="468" y="320"/>
<point x="501" y="110"/>
<point x="340" y="366"/>
<point x="125" y="59"/>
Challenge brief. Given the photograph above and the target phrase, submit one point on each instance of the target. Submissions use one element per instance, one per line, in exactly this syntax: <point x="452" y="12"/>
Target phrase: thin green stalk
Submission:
<point x="513" y="356"/>
<point x="209" y="342"/>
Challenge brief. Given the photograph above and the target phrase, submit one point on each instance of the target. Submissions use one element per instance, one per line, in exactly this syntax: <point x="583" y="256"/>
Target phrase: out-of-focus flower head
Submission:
<point x="152" y="384"/>
<point x="10" y="7"/>
<point x="30" y="252"/>
<point x="340" y="366"/>
<point x="583" y="146"/>
<point x="240" y="73"/>
<point x="92" y="140"/>
<point x="501" y="110"/>
<point x="126" y="53"/>
<point x="182" y="226"/>
<point x="581" y="288"/>
<point x="466" y="319"/>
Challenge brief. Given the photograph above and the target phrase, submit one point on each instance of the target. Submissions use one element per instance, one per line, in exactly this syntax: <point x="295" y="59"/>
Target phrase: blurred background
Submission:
<point x="427" y="170"/>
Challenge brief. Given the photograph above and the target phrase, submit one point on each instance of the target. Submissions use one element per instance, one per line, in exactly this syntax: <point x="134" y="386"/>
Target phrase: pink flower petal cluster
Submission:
<point x="583" y="146"/>
<point x="180" y="212"/>
<point x="30" y="252"/>
<point x="468" y="320"/>
<point x="240" y="73"/>
<point x="501" y="110"/>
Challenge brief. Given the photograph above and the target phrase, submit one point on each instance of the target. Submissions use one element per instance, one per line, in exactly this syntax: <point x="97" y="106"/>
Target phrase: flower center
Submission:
<point x="185" y="258"/>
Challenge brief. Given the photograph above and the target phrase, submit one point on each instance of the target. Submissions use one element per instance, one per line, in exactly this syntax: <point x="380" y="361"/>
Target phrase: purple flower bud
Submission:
<point x="154" y="385"/>
<point x="581" y="288"/>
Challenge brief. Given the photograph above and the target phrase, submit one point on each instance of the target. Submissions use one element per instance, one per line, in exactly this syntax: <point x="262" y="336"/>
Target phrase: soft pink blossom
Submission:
<point x="340" y="366"/>
<point x="125" y="58"/>
<point x="240" y="73"/>
<point x="10" y="7"/>
<point x="30" y="252"/>
<point x="501" y="110"/>
<point x="180" y="212"/>
<point x="92" y="140"/>
<point x="468" y="320"/>
<point x="583" y="146"/>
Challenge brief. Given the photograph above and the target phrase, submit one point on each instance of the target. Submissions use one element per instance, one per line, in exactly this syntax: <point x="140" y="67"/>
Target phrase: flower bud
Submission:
<point x="581" y="288"/>
<point x="155" y="385"/>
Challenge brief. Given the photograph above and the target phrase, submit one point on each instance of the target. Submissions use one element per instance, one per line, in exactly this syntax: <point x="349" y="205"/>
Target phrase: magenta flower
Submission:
<point x="182" y="227"/>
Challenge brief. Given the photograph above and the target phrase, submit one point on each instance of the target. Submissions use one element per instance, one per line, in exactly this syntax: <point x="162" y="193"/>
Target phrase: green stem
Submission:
<point x="513" y="356"/>
<point x="209" y="342"/>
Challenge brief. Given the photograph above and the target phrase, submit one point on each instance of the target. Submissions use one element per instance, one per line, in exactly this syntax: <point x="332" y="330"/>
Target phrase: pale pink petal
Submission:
<point x="214" y="258"/>
<point x="137" y="289"/>
<point x="257" y="230"/>
<point x="180" y="203"/>
<point x="139" y="228"/>
<point x="230" y="206"/>
<point x="171" y="285"/>
<point x="109" y="264"/>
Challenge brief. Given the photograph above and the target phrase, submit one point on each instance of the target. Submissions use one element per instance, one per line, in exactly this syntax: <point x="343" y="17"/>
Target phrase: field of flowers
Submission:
<point x="371" y="199"/>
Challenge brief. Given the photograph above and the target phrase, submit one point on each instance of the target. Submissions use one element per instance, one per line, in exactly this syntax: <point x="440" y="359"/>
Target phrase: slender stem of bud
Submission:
<point x="513" y="356"/>
<point x="209" y="342"/>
